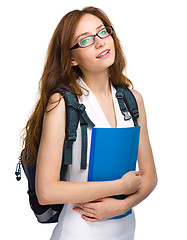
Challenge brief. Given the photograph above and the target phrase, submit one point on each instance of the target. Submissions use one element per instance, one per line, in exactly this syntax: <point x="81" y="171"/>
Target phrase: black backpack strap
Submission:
<point x="127" y="103"/>
<point x="84" y="122"/>
<point x="72" y="119"/>
<point x="74" y="112"/>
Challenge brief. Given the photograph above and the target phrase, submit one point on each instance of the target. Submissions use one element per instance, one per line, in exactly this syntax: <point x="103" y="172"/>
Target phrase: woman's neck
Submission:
<point x="99" y="84"/>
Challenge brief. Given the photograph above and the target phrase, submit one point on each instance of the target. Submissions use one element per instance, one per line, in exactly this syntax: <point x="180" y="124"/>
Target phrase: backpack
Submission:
<point x="75" y="112"/>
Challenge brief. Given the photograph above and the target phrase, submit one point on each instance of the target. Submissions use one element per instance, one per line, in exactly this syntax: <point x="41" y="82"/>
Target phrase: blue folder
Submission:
<point x="113" y="153"/>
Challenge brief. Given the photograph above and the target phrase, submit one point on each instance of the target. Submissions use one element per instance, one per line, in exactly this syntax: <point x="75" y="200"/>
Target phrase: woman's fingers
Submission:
<point x="88" y="219"/>
<point x="89" y="205"/>
<point x="85" y="211"/>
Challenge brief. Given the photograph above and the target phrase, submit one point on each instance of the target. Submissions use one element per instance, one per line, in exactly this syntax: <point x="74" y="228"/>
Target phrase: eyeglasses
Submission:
<point x="87" y="41"/>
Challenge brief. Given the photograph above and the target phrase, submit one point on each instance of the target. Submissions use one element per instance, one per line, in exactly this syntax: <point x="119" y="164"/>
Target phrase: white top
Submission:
<point x="70" y="225"/>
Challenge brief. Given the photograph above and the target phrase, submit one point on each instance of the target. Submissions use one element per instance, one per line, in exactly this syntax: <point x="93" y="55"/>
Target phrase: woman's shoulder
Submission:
<point x="56" y="101"/>
<point x="55" y="116"/>
<point x="137" y="95"/>
<point x="141" y="107"/>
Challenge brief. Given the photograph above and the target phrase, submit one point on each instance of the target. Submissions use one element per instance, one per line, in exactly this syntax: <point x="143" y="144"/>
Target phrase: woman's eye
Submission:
<point x="103" y="32"/>
<point x="85" y="41"/>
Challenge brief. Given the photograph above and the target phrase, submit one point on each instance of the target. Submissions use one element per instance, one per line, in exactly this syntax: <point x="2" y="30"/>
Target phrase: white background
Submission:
<point x="153" y="34"/>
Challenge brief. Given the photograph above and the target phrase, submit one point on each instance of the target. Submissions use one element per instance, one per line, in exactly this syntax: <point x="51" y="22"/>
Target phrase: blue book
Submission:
<point x="113" y="153"/>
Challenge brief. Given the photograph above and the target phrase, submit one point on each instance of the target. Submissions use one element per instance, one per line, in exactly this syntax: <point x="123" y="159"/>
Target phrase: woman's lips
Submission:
<point x="104" y="53"/>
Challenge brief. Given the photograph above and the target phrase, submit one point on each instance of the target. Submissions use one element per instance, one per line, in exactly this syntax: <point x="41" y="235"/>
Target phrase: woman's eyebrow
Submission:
<point x="86" y="33"/>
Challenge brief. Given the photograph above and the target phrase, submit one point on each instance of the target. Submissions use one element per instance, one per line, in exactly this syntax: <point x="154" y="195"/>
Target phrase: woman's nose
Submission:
<point x="99" y="42"/>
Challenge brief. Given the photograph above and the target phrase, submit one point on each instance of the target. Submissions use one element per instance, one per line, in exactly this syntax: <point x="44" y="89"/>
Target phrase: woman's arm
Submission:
<point x="49" y="188"/>
<point x="145" y="160"/>
<point x="109" y="207"/>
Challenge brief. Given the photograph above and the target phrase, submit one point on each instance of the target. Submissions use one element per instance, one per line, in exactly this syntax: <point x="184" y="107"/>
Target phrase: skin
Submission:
<point x="92" y="197"/>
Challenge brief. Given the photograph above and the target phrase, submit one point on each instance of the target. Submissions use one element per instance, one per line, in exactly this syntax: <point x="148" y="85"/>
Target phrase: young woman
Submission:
<point x="86" y="55"/>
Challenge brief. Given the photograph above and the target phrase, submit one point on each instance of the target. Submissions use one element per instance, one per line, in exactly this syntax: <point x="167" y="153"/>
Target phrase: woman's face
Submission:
<point x="88" y="58"/>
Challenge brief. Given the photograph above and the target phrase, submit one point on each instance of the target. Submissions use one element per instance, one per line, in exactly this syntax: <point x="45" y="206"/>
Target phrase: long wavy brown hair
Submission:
<point x="58" y="71"/>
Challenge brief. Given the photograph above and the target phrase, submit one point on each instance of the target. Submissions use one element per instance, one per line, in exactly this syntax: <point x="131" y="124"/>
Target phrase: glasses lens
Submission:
<point x="86" y="41"/>
<point x="105" y="32"/>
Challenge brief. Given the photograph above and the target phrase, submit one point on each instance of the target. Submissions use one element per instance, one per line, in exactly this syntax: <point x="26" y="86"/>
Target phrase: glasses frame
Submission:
<point x="78" y="45"/>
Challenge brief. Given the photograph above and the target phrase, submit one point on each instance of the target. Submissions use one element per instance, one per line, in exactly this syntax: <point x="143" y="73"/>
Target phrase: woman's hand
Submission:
<point x="100" y="210"/>
<point x="131" y="182"/>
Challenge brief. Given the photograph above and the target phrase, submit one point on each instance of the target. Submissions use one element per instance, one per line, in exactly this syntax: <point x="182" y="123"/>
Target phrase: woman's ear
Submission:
<point x="73" y="62"/>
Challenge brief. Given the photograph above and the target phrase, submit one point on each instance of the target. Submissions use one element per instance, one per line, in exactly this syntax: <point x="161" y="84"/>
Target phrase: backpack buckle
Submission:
<point x="119" y="95"/>
<point x="81" y="108"/>
<point x="126" y="115"/>
<point x="72" y="136"/>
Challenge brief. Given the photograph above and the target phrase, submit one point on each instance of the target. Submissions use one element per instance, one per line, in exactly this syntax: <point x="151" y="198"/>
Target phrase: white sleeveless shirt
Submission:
<point x="70" y="225"/>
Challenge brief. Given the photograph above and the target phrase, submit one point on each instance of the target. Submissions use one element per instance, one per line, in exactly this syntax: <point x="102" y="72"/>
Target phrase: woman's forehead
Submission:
<point x="88" y="23"/>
